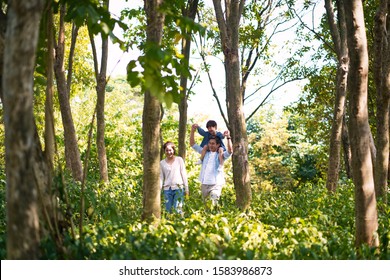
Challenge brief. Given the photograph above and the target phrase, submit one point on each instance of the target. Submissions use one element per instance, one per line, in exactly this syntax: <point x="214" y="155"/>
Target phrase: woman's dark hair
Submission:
<point x="169" y="143"/>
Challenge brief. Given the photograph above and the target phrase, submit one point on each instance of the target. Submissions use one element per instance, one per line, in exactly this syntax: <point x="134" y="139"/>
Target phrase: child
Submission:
<point x="211" y="132"/>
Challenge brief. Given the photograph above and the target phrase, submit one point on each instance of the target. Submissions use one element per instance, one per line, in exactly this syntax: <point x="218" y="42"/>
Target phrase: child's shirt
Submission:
<point x="206" y="137"/>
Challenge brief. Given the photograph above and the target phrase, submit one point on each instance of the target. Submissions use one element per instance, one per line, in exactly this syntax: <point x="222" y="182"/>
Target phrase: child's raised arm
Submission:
<point x="201" y="131"/>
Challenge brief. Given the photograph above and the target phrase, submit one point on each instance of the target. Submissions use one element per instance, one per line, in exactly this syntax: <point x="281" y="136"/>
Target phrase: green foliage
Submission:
<point x="96" y="16"/>
<point x="163" y="64"/>
<point x="280" y="154"/>
<point x="123" y="131"/>
<point x="306" y="224"/>
<point x="268" y="148"/>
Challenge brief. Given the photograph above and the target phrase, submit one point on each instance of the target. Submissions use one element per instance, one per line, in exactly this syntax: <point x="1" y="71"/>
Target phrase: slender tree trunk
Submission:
<point x="3" y="27"/>
<point x="20" y="142"/>
<point x="338" y="32"/>
<point x="359" y="130"/>
<point x="151" y="122"/>
<point x="190" y="12"/>
<point x="100" y="122"/>
<point x="382" y="82"/>
<point x="229" y="31"/>
<point x="49" y="115"/>
<point x="72" y="153"/>
<point x="101" y="81"/>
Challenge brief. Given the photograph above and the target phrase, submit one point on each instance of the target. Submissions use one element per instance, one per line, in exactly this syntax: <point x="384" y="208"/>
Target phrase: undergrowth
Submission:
<point x="307" y="223"/>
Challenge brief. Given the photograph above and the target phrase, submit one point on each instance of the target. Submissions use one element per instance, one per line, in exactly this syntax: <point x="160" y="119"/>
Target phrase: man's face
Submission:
<point x="212" y="130"/>
<point x="213" y="146"/>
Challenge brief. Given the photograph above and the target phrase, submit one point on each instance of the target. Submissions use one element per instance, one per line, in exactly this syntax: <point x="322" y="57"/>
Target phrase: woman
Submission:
<point x="173" y="178"/>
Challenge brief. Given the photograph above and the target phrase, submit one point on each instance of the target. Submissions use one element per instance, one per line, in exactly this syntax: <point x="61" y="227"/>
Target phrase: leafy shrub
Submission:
<point x="281" y="225"/>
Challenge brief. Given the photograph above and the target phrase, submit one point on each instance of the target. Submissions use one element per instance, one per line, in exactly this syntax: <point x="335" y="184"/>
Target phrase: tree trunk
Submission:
<point x="229" y="34"/>
<point x="190" y="12"/>
<point x="151" y="122"/>
<point x="382" y="83"/>
<point x="20" y="142"/>
<point x="3" y="28"/>
<point x="346" y="150"/>
<point x="49" y="115"/>
<point x="72" y="153"/>
<point x="101" y="81"/>
<point x="340" y="43"/>
<point x="100" y="122"/>
<point x="359" y="130"/>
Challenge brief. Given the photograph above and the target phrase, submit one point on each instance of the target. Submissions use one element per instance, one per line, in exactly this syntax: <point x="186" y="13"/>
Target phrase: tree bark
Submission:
<point x="338" y="32"/>
<point x="72" y="153"/>
<point x="336" y="132"/>
<point x="346" y="149"/>
<point x="151" y="121"/>
<point x="101" y="82"/>
<point x="359" y="130"/>
<point x="382" y="83"/>
<point x="189" y="12"/>
<point x="3" y="27"/>
<point x="49" y="115"/>
<point x="228" y="24"/>
<point x="20" y="141"/>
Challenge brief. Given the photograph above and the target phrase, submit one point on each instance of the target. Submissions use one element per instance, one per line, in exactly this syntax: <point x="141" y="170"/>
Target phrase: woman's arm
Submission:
<point x="184" y="177"/>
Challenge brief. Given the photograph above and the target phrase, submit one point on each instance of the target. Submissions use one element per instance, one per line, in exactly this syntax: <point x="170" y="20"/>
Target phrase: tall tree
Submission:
<point x="382" y="83"/>
<point x="101" y="81"/>
<point x="359" y="130"/>
<point x="20" y="137"/>
<point x="72" y="153"/>
<point x="228" y="23"/>
<point x="49" y="114"/>
<point x="190" y="12"/>
<point x="151" y="114"/>
<point x="338" y="32"/>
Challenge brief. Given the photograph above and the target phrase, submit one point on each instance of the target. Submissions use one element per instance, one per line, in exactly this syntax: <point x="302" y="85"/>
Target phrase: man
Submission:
<point x="212" y="176"/>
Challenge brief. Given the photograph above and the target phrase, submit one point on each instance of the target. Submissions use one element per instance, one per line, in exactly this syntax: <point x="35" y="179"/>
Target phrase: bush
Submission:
<point x="281" y="225"/>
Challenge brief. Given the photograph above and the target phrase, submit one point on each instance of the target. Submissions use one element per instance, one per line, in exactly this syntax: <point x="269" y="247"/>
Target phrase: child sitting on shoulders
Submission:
<point x="211" y="126"/>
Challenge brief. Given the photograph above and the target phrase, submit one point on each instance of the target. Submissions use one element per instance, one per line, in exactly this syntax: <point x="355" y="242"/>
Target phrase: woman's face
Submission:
<point x="169" y="151"/>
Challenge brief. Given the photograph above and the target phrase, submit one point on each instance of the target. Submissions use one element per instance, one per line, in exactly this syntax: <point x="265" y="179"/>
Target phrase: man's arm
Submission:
<point x="192" y="136"/>
<point x="229" y="141"/>
<point x="195" y="146"/>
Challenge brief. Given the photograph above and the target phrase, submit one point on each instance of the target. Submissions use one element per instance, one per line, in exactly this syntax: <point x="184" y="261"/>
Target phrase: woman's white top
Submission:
<point x="173" y="175"/>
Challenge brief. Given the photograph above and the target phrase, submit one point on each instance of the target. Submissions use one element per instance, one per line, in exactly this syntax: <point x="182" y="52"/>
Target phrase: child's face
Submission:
<point x="212" y="130"/>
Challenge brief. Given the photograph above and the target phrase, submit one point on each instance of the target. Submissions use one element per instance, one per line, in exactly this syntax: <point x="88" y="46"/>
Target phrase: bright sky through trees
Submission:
<point x="203" y="102"/>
